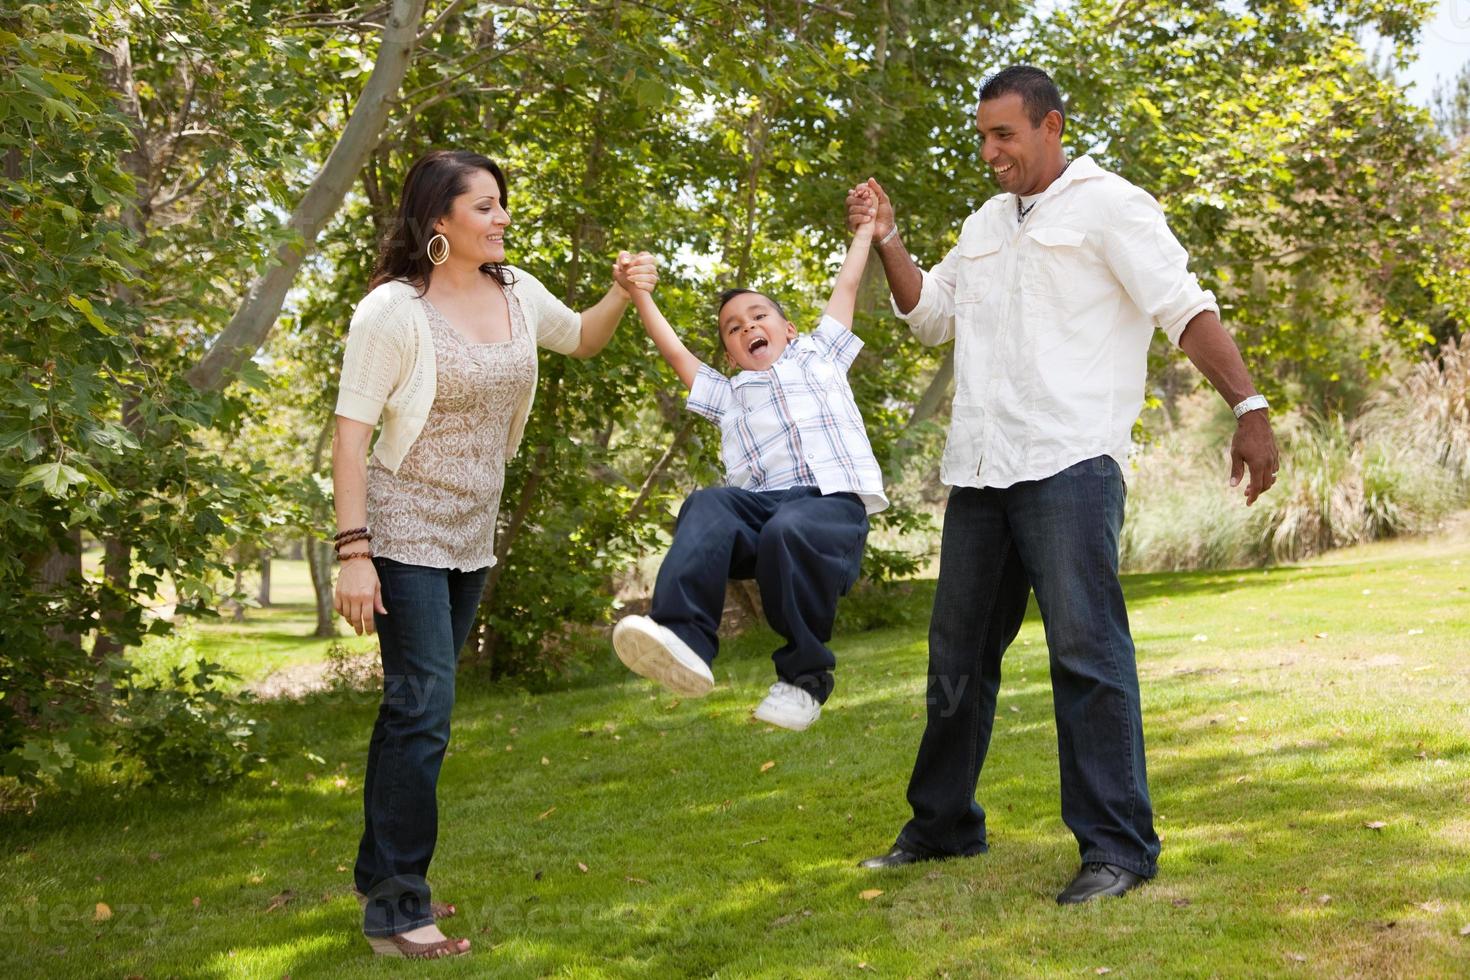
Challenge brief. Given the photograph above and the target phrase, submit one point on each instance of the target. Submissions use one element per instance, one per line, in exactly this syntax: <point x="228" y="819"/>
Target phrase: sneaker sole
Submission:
<point x="647" y="656"/>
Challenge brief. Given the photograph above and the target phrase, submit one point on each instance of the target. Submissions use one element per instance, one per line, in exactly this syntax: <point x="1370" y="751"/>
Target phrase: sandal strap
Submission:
<point x="398" y="946"/>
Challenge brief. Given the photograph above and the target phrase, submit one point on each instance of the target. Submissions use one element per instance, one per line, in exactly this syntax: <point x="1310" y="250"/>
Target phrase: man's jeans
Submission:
<point x="1058" y="536"/>
<point x="430" y="612"/>
<point x="804" y="550"/>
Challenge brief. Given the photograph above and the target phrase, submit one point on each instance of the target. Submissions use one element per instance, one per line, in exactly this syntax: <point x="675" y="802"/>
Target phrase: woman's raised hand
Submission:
<point x="636" y="270"/>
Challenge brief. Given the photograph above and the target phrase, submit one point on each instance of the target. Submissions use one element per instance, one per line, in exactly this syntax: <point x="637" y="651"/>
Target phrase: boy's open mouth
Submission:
<point x="757" y="344"/>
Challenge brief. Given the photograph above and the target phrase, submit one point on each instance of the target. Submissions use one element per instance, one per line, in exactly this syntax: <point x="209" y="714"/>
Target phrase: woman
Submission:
<point x="443" y="350"/>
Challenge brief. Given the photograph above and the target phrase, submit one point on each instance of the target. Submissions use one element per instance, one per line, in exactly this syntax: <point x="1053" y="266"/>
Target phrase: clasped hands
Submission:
<point x="635" y="270"/>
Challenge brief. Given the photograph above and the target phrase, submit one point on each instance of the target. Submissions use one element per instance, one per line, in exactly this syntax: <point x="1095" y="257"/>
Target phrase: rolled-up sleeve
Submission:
<point x="932" y="320"/>
<point x="1151" y="265"/>
<point x="711" y="394"/>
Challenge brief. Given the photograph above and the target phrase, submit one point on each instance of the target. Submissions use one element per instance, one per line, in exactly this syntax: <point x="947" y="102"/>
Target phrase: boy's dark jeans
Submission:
<point x="802" y="548"/>
<point x="430" y="612"/>
<point x="1058" y="536"/>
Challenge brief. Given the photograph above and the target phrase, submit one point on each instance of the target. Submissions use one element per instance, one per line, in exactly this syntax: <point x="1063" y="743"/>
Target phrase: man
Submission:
<point x="1051" y="297"/>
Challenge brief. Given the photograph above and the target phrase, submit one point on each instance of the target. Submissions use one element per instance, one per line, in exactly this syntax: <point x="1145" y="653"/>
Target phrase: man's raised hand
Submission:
<point x="868" y="202"/>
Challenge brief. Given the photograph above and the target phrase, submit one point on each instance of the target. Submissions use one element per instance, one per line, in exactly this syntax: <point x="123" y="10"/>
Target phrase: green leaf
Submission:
<point x="54" y="478"/>
<point x="84" y="306"/>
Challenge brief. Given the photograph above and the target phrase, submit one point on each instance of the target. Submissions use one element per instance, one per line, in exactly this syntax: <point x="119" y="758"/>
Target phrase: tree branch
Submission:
<point x="252" y="322"/>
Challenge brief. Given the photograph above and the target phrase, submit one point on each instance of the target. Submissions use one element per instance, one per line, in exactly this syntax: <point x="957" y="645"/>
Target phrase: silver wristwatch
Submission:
<point x="1250" y="405"/>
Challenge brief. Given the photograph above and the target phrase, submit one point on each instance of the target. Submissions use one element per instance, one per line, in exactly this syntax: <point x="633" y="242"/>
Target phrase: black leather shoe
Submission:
<point x="897" y="857"/>
<point x="1097" y="878"/>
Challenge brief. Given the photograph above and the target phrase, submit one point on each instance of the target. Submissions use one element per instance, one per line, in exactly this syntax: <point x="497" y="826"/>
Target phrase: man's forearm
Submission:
<point x="1211" y="349"/>
<point x="905" y="281"/>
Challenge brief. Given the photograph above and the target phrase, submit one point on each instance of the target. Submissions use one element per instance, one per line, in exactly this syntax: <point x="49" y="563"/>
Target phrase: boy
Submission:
<point x="801" y="482"/>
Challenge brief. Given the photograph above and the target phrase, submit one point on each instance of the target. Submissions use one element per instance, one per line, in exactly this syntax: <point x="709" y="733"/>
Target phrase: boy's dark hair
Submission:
<point x="1039" y="94"/>
<point x="730" y="294"/>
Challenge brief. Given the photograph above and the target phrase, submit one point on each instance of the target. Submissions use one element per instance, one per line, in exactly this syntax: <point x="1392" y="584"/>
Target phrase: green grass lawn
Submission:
<point x="1309" y="743"/>
<point x="269" y="639"/>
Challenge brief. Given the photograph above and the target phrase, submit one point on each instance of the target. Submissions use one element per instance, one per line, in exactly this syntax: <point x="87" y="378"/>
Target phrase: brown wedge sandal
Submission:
<point x="398" y="946"/>
<point x="439" y="910"/>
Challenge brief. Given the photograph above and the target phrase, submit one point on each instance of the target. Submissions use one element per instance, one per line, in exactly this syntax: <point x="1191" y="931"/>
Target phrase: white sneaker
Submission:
<point x="653" y="651"/>
<point x="788" y="706"/>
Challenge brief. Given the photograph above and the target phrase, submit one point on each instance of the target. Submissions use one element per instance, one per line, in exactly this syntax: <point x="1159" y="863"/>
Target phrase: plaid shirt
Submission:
<point x="795" y="423"/>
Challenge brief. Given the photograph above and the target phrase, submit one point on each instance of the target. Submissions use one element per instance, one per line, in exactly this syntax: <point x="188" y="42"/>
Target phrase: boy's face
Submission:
<point x="754" y="331"/>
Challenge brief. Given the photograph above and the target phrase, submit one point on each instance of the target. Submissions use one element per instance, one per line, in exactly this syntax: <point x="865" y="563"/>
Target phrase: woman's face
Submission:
<point x="476" y="222"/>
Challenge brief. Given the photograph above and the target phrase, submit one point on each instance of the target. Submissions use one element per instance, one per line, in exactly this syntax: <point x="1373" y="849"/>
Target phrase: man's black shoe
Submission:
<point x="897" y="857"/>
<point x="1097" y="878"/>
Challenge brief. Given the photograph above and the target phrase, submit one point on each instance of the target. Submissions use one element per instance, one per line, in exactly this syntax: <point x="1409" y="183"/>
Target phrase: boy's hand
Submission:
<point x="862" y="206"/>
<point x="867" y="203"/>
<point x="635" y="271"/>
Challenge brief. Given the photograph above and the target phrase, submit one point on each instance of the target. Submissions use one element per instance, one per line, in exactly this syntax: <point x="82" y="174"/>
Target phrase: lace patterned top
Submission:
<point x="439" y="508"/>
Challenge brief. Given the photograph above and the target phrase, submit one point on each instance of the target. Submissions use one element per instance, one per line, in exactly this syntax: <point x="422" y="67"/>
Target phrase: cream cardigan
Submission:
<point x="388" y="367"/>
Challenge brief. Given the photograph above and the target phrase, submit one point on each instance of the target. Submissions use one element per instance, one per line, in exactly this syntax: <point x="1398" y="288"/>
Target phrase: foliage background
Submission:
<point x="158" y="159"/>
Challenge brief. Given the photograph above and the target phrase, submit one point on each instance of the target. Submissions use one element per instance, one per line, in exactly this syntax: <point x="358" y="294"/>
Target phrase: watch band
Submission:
<point x="1250" y="405"/>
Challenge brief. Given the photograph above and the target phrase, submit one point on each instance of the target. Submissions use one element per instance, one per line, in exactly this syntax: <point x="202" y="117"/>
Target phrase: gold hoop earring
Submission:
<point x="438" y="249"/>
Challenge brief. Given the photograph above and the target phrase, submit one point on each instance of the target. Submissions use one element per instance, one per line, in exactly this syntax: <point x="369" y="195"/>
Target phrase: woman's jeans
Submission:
<point x="1058" y="536"/>
<point x="430" y="612"/>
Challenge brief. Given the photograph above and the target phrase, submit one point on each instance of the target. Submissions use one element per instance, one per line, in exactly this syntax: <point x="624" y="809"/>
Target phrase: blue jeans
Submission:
<point x="1058" y="536"/>
<point x="804" y="550"/>
<point x="430" y="612"/>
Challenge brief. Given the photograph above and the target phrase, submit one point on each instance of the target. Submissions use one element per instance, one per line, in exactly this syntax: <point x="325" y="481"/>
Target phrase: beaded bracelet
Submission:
<point x="342" y="534"/>
<point x="355" y="554"/>
<point x="353" y="539"/>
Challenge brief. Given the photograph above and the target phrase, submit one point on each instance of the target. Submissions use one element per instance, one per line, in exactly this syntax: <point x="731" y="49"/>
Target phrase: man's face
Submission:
<point x="754" y="331"/>
<point x="1022" y="157"/>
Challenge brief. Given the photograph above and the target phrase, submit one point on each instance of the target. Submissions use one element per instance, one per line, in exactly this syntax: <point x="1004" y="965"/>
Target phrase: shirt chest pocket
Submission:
<point x="979" y="269"/>
<point x="1054" y="262"/>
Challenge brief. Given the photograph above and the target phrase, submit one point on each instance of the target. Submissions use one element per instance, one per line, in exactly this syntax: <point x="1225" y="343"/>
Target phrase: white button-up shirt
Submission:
<point x="796" y="422"/>
<point x="1052" y="318"/>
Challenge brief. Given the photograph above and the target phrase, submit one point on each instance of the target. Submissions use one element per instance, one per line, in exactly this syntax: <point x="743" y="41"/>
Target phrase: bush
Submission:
<point x="1400" y="468"/>
<point x="182" y="730"/>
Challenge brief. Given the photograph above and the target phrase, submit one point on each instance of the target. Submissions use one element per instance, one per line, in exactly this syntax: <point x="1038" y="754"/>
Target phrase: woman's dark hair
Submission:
<point x="429" y="190"/>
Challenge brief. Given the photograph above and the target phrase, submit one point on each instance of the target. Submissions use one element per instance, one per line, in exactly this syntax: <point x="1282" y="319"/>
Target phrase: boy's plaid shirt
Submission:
<point x="795" y="423"/>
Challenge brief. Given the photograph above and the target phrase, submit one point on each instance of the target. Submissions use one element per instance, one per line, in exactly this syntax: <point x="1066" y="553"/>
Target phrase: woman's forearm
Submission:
<point x="349" y="473"/>
<point x="599" y="322"/>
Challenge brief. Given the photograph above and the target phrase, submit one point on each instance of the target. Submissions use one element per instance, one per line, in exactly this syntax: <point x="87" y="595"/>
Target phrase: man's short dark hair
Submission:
<point x="1039" y="94"/>
<point x="730" y="294"/>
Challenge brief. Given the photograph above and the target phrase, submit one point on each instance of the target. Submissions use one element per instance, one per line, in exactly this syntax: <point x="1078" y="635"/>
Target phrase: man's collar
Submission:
<point x="1082" y="168"/>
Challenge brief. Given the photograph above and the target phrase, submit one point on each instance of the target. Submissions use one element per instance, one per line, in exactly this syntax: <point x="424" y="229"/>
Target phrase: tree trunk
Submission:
<point x="118" y="550"/>
<point x="237" y="612"/>
<point x="263" y="595"/>
<point x="586" y="227"/>
<point x="319" y="560"/>
<point x="253" y="321"/>
<point x="319" y="554"/>
<point x="56" y="570"/>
